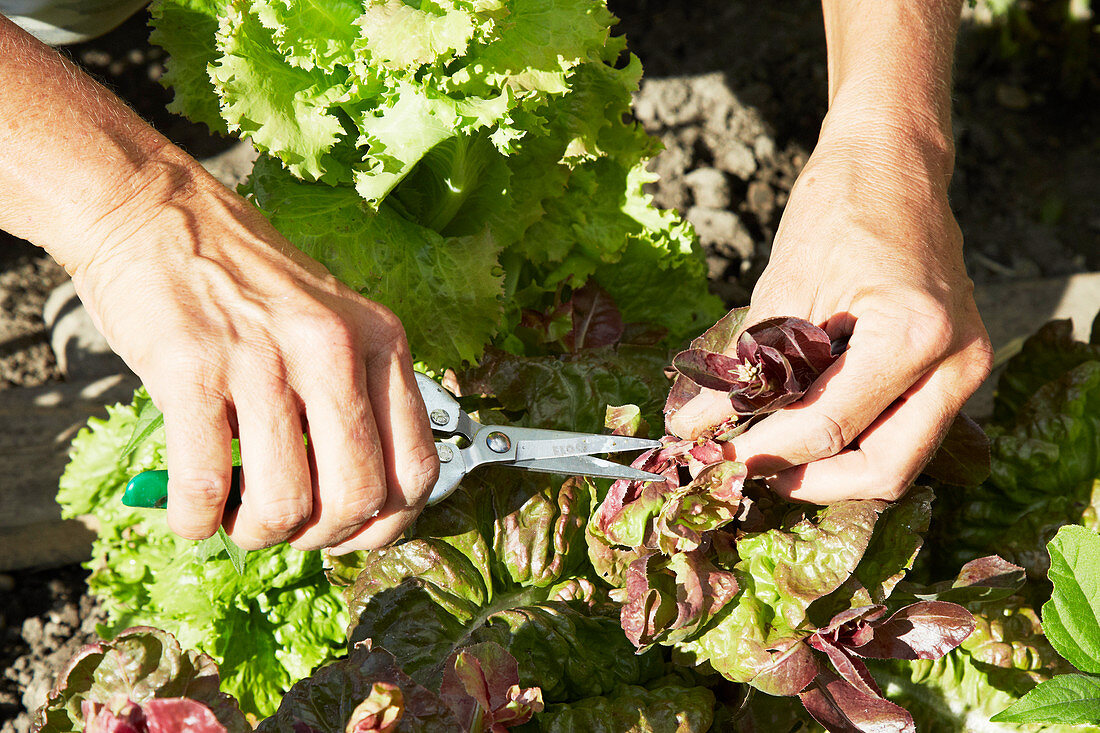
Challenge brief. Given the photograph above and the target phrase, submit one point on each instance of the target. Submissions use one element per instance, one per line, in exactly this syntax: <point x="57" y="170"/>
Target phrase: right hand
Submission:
<point x="236" y="333"/>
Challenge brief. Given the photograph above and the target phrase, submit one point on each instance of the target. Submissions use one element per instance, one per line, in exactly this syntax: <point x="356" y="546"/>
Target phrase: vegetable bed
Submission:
<point x="508" y="605"/>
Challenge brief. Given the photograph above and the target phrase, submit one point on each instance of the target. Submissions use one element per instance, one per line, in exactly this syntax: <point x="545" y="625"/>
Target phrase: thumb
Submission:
<point x="709" y="408"/>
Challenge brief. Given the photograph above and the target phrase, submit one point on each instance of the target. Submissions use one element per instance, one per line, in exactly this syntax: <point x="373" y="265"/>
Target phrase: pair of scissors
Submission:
<point x="530" y="449"/>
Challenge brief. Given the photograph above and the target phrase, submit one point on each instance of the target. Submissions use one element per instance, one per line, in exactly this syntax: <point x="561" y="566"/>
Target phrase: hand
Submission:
<point x="868" y="249"/>
<point x="236" y="333"/>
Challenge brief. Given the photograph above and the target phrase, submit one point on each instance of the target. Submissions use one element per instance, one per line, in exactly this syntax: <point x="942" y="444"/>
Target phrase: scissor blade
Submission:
<point x="533" y="444"/>
<point x="586" y="466"/>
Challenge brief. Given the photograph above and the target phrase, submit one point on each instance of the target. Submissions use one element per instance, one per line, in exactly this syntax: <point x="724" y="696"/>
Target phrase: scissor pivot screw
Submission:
<point x="444" y="452"/>
<point x="440" y="417"/>
<point x="498" y="442"/>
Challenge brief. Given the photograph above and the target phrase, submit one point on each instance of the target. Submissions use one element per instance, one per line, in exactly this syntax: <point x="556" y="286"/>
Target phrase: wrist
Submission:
<point x="897" y="136"/>
<point x="163" y="178"/>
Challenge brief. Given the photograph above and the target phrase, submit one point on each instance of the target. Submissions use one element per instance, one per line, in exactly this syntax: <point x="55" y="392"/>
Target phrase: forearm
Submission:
<point x="77" y="167"/>
<point x="890" y="73"/>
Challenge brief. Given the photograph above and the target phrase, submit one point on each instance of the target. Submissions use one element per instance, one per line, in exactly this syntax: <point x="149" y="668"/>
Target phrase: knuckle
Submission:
<point x="361" y="504"/>
<point x="931" y="331"/>
<point x="387" y="331"/>
<point x="200" y="489"/>
<point x="420" y="471"/>
<point x="281" y="517"/>
<point x="827" y="437"/>
<point x="979" y="362"/>
<point x="322" y="333"/>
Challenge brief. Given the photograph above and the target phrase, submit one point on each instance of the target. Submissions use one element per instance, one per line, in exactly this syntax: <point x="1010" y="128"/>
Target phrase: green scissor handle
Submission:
<point x="149" y="490"/>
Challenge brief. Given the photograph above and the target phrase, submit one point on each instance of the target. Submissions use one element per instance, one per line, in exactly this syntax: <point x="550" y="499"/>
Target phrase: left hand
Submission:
<point x="867" y="248"/>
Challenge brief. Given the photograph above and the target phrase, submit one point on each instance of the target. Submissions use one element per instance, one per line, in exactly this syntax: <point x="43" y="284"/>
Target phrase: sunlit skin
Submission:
<point x="236" y="333"/>
<point x="868" y="247"/>
<point x="233" y="331"/>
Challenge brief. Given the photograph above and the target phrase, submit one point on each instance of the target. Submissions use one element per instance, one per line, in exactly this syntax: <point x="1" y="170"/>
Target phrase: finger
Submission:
<point x="276" y="492"/>
<point x="346" y="458"/>
<point x="198" y="435"/>
<point x="843" y="402"/>
<point x="407" y="445"/>
<point x="891" y="452"/>
<point x="709" y="408"/>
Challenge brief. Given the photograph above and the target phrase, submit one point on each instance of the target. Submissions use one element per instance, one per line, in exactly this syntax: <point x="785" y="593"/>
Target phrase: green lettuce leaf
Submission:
<point x="572" y="391"/>
<point x="186" y="30"/>
<point x="444" y="290"/>
<point x="1054" y="446"/>
<point x="1045" y="474"/>
<point x="1072" y="699"/>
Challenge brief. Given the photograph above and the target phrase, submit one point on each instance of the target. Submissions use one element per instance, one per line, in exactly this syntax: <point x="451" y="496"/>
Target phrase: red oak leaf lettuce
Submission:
<point x="771" y="366"/>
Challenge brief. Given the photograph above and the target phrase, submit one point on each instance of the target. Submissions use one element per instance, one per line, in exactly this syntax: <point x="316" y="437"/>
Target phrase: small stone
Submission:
<point x="709" y="188"/>
<point x="1011" y="97"/>
<point x="95" y="58"/>
<point x="761" y="200"/>
<point x="736" y="159"/>
<point x="718" y="228"/>
<point x="763" y="147"/>
<point x="717" y="266"/>
<point x="32" y="630"/>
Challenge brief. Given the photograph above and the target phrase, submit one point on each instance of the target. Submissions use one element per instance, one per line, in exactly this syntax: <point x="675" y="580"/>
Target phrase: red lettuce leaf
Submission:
<point x="163" y="715"/>
<point x="333" y="695"/>
<point x="139" y="665"/>
<point x="708" y="369"/>
<point x="481" y="685"/>
<point x="717" y="339"/>
<point x="983" y="580"/>
<point x="773" y="364"/>
<point x="842" y="708"/>
<point x="963" y="457"/>
<point x="381" y="712"/>
<point x="667" y="600"/>
<point x="595" y="317"/>
<point x="924" y="630"/>
<point x="790" y="667"/>
<point x="847" y="665"/>
<point x="625" y="420"/>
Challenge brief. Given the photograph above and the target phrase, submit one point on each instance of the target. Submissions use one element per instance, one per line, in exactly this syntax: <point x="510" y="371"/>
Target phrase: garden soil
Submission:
<point x="736" y="92"/>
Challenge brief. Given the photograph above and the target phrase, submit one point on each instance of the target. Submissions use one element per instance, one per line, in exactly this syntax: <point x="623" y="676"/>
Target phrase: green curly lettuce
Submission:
<point x="485" y="139"/>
